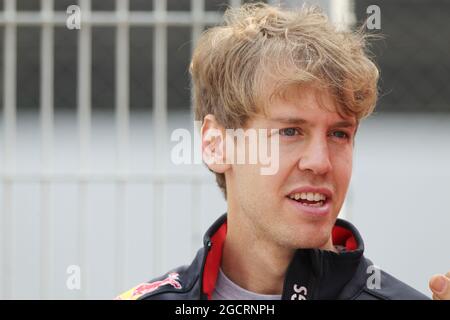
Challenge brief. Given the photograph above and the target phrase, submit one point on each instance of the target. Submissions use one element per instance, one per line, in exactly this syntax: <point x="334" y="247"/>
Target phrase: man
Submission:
<point x="291" y="78"/>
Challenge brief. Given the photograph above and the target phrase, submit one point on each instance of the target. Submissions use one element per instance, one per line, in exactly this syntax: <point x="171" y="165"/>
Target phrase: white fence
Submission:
<point x="46" y="177"/>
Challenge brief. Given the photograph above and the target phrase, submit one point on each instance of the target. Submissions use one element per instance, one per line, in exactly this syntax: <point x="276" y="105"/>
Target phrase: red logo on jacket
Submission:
<point x="172" y="279"/>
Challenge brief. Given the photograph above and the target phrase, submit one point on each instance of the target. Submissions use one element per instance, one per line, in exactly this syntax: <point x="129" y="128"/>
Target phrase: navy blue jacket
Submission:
<point x="312" y="273"/>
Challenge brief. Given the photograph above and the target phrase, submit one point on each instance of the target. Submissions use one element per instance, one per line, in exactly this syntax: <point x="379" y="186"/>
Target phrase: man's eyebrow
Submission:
<point x="295" y="120"/>
<point x="345" y="124"/>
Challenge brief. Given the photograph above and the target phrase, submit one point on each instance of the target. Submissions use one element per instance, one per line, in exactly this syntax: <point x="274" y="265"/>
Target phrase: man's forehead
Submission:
<point x="306" y="94"/>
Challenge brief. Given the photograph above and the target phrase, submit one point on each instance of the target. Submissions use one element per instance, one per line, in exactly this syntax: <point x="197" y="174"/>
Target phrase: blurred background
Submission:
<point x="88" y="189"/>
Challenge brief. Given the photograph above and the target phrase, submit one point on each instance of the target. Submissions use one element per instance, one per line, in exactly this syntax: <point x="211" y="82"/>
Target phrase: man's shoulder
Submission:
<point x="175" y="282"/>
<point x="179" y="283"/>
<point x="381" y="285"/>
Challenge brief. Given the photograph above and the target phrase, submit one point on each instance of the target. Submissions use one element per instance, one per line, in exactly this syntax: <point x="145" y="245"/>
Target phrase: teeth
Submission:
<point x="310" y="196"/>
<point x="317" y="196"/>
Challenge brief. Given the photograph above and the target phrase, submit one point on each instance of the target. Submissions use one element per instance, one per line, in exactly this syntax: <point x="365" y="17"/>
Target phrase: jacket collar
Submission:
<point x="312" y="273"/>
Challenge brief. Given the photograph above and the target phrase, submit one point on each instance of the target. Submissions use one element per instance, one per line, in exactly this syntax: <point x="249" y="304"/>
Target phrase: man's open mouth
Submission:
<point x="310" y="199"/>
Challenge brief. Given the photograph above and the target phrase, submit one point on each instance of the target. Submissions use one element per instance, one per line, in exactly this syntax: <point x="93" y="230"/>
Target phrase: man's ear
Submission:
<point x="213" y="145"/>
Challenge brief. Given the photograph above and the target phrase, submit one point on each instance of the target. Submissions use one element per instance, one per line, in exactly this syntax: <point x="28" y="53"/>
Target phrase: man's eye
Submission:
<point x="340" y="134"/>
<point x="289" y="132"/>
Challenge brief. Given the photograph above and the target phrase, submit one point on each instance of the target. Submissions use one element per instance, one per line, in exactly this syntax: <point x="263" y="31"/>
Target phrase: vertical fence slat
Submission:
<point x="235" y="3"/>
<point x="46" y="115"/>
<point x="160" y="79"/>
<point x="9" y="118"/>
<point x="198" y="11"/>
<point x="122" y="127"/>
<point x="159" y="126"/>
<point x="342" y="13"/>
<point x="84" y="131"/>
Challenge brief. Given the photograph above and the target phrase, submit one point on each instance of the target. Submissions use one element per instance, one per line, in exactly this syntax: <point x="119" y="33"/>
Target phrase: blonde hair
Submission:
<point x="259" y="44"/>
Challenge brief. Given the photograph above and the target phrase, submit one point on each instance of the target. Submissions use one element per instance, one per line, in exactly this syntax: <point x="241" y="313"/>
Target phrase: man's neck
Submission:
<point x="254" y="263"/>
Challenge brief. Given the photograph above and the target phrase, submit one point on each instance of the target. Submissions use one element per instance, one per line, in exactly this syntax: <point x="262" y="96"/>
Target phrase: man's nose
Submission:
<point x="315" y="157"/>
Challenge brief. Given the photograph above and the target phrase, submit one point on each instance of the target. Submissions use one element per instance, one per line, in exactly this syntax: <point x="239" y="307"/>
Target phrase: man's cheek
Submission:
<point x="342" y="166"/>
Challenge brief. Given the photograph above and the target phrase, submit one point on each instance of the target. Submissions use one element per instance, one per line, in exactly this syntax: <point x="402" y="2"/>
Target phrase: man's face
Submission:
<point x="315" y="156"/>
